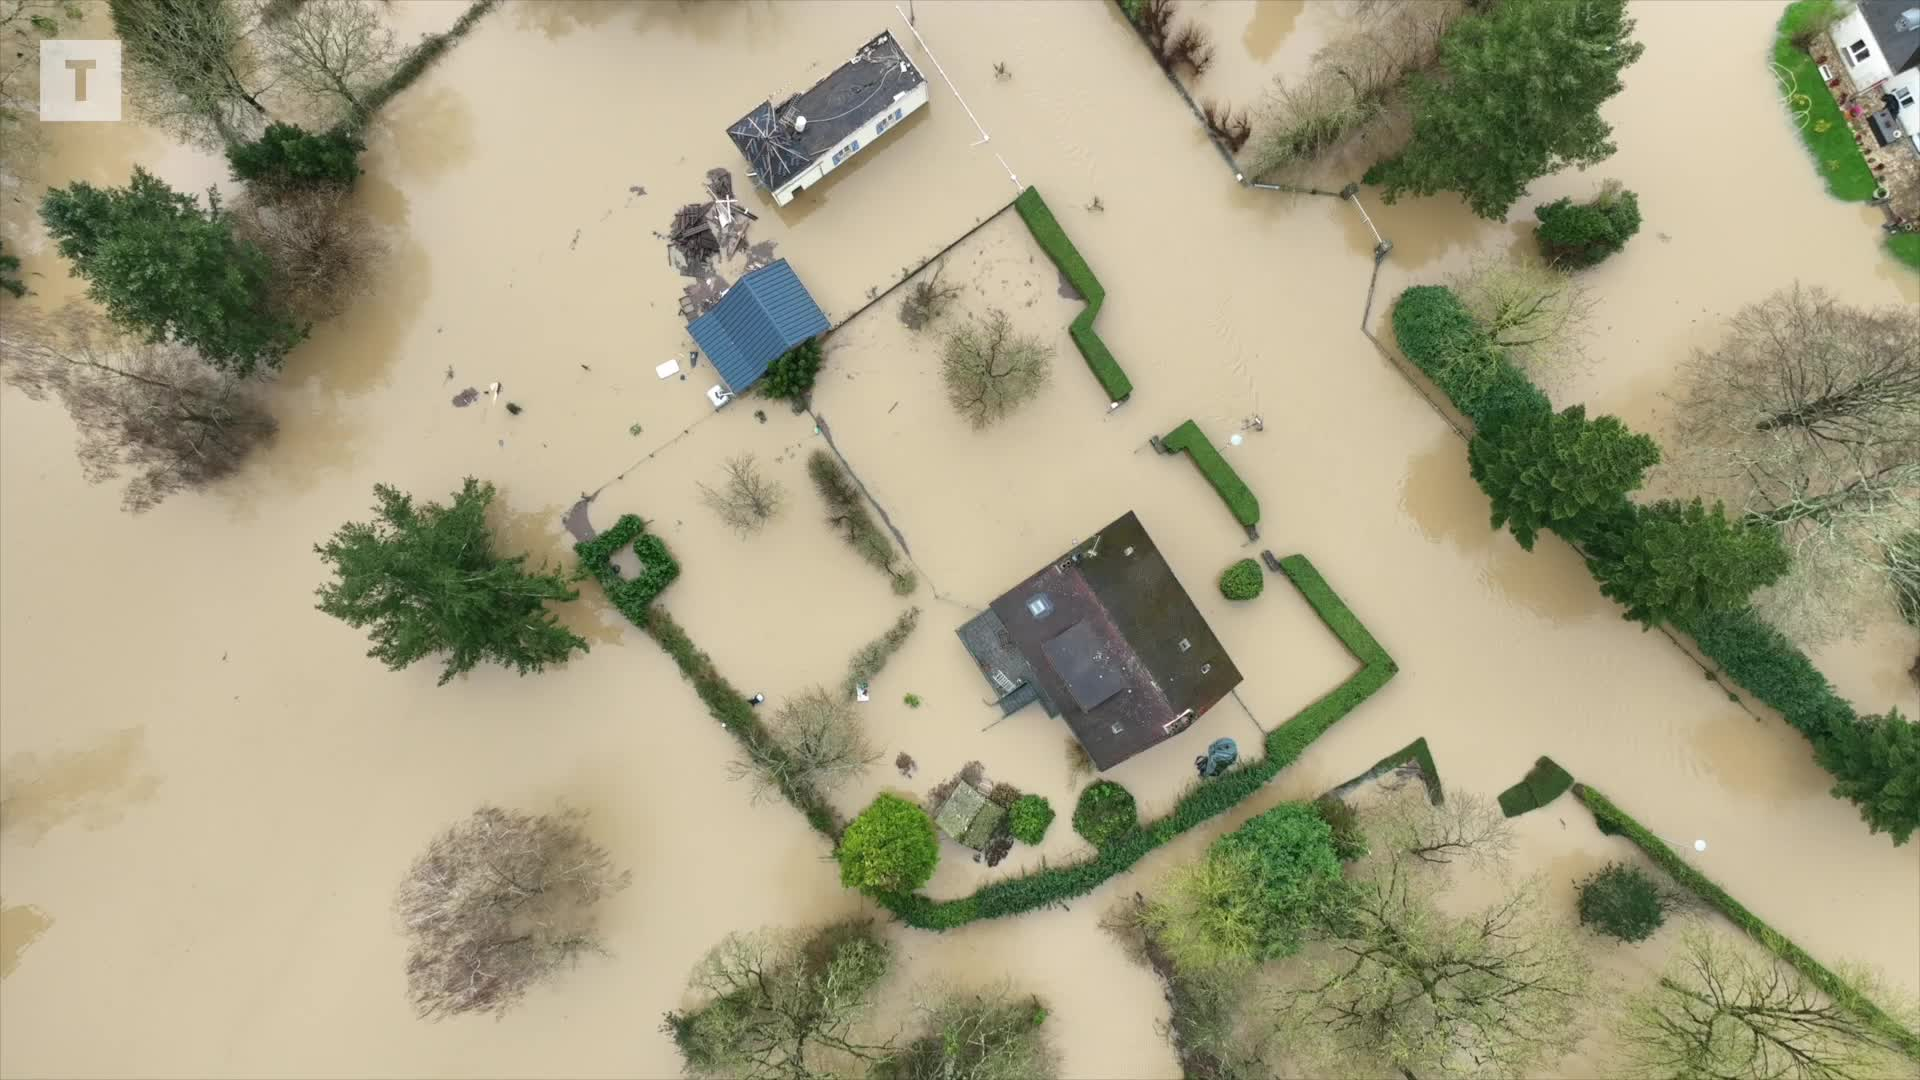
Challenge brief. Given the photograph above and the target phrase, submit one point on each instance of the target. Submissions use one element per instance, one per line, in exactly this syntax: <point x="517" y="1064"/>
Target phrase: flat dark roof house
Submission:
<point x="1104" y="637"/>
<point x="795" y="144"/>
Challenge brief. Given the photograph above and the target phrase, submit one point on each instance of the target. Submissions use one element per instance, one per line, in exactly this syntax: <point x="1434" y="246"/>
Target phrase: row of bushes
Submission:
<point x="1438" y="335"/>
<point x="423" y="56"/>
<point x="634" y="598"/>
<point x="1543" y="783"/>
<point x="1615" y="821"/>
<point x="1207" y="800"/>
<point x="1054" y="241"/>
<point x="873" y="656"/>
<point x="1238" y="496"/>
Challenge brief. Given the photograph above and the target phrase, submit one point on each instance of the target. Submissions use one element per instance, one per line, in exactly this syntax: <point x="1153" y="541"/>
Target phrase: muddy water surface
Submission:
<point x="214" y="886"/>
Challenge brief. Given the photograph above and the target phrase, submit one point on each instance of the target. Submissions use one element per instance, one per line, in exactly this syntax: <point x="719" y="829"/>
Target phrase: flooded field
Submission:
<point x="208" y="794"/>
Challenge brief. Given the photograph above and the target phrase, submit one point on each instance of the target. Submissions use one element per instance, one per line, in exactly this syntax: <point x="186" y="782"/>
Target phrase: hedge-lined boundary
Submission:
<point x="1417" y="752"/>
<point x="1615" y="821"/>
<point x="1431" y="327"/>
<point x="415" y="63"/>
<point x="1233" y="490"/>
<point x="1059" y="247"/>
<point x="1543" y="783"/>
<point x="634" y="599"/>
<point x="1208" y="799"/>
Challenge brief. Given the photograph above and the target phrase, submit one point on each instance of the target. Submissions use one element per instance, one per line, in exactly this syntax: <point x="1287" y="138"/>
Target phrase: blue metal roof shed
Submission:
<point x="761" y="317"/>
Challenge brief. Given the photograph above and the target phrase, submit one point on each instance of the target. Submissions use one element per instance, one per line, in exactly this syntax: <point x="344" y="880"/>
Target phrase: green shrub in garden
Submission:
<point x="1242" y="580"/>
<point x="1577" y="235"/>
<point x="1622" y="901"/>
<point x="1029" y="818"/>
<point x="889" y="848"/>
<point x="1106" y="812"/>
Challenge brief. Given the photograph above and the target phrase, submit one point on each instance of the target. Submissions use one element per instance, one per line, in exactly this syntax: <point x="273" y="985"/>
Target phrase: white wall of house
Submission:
<point x="1858" y="51"/>
<point x="905" y="105"/>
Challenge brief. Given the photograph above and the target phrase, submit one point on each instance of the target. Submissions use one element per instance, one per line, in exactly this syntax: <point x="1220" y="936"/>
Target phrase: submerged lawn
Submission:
<point x="1833" y="148"/>
<point x="1906" y="248"/>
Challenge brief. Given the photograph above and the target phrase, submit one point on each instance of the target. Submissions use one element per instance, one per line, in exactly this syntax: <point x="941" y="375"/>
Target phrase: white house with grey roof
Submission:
<point x="1879" y="42"/>
<point x="794" y="145"/>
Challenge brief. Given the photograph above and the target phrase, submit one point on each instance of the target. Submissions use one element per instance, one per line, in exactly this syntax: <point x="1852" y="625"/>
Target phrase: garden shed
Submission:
<point x="767" y="313"/>
<point x="968" y="816"/>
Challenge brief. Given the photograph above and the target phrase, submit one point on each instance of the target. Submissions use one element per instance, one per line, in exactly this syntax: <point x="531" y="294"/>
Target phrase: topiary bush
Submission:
<point x="1578" y="235"/>
<point x="1242" y="580"/>
<point x="1029" y="818"/>
<point x="1622" y="901"/>
<point x="1233" y="490"/>
<point x="792" y="374"/>
<point x="285" y="159"/>
<point x="890" y="848"/>
<point x="1106" y="813"/>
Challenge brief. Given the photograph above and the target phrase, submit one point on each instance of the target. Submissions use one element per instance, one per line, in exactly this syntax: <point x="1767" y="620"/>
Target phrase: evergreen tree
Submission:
<point x="1877" y="762"/>
<point x="1576" y="235"/>
<point x="1559" y="471"/>
<point x="164" y="267"/>
<point x="1675" y="561"/>
<point x="1517" y="95"/>
<point x="426" y="578"/>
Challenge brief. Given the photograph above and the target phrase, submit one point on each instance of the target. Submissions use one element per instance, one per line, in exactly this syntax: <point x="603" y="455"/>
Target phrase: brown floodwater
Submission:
<point x="210" y="792"/>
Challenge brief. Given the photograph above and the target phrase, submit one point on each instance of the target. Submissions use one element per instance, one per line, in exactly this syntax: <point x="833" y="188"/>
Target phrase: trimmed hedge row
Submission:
<point x="1543" y="783"/>
<point x="1059" y="247"/>
<point x="634" y="599"/>
<point x="416" y="62"/>
<point x="1201" y="803"/>
<point x="1415" y="751"/>
<point x="1238" y="496"/>
<point x="1433" y="329"/>
<point x="1614" y="821"/>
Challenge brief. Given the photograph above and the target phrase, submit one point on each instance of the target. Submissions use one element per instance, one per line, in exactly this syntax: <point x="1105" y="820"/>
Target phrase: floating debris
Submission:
<point x="465" y="398"/>
<point x="514" y="409"/>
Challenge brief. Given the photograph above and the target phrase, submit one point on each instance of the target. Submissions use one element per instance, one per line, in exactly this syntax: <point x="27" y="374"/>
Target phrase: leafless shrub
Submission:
<point x="1807" y="417"/>
<point x="1537" y="313"/>
<point x="747" y="500"/>
<point x="818" y="743"/>
<point x="906" y="764"/>
<point x="1079" y="763"/>
<point x="990" y="370"/>
<point x="1465" y="828"/>
<point x="1191" y="47"/>
<point x="323" y="249"/>
<point x="497" y="903"/>
<point x="927" y="300"/>
<point x="1350" y="97"/>
<point x="156" y="410"/>
<point x="1232" y="128"/>
<point x="331" y="53"/>
<point x="1156" y="22"/>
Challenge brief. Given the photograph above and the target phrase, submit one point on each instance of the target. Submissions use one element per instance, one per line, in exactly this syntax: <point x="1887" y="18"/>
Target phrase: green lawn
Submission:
<point x="1906" y="248"/>
<point x="1826" y="133"/>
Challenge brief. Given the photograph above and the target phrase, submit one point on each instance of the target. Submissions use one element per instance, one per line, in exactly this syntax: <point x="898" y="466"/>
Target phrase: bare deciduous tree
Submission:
<point x="1405" y="988"/>
<point x="23" y="24"/>
<point x="1719" y="1010"/>
<point x="990" y="369"/>
<point x="818" y="742"/>
<point x="992" y="1034"/>
<point x="1466" y="828"/>
<point x="191" y="68"/>
<point x="747" y="500"/>
<point x="331" y="51"/>
<point x="776" y="1004"/>
<point x="323" y="249"/>
<point x="1807" y="416"/>
<point x="927" y="300"/>
<point x="156" y="410"/>
<point x="1536" y="313"/>
<point x="497" y="903"/>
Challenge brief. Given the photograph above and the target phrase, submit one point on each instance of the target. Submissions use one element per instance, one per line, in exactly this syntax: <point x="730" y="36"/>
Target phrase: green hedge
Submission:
<point x="1762" y="660"/>
<point x="1543" y="783"/>
<point x="1201" y="803"/>
<point x="1429" y="772"/>
<point x="1059" y="247"/>
<point x="634" y="598"/>
<point x="1238" y="496"/>
<point x="1432" y="326"/>
<point x="1614" y="821"/>
<point x="658" y="568"/>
